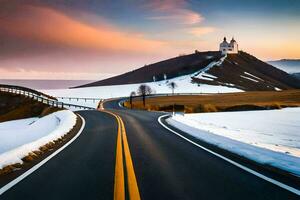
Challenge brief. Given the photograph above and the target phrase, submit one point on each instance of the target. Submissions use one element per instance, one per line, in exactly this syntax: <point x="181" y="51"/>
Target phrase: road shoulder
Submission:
<point x="8" y="180"/>
<point x="267" y="171"/>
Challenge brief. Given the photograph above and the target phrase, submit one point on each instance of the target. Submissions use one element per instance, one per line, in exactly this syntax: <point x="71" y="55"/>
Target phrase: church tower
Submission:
<point x="229" y="48"/>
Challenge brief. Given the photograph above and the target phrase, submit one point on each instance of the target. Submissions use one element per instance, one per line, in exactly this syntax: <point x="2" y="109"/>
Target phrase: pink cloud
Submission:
<point x="52" y="27"/>
<point x="174" y="10"/>
<point x="200" y="31"/>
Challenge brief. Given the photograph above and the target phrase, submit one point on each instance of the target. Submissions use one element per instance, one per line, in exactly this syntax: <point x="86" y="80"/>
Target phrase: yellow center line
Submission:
<point x="134" y="193"/>
<point x="119" y="186"/>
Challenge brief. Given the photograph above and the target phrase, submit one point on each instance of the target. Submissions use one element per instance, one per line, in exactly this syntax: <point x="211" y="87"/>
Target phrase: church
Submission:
<point x="229" y="48"/>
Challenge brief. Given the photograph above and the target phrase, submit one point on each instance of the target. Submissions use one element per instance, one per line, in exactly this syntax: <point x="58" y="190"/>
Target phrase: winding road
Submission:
<point x="127" y="154"/>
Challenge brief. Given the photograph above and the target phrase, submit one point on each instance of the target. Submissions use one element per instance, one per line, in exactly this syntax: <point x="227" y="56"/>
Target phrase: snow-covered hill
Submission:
<point x="242" y="71"/>
<point x="184" y="85"/>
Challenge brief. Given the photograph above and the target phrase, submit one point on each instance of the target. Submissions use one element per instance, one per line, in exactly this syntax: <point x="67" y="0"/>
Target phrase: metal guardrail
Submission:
<point x="150" y="95"/>
<point x="40" y="97"/>
<point x="180" y="94"/>
<point x="81" y="98"/>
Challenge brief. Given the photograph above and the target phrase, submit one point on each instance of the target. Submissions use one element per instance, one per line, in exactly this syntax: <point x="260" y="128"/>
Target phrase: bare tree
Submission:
<point x="144" y="90"/>
<point x="172" y="85"/>
<point x="132" y="94"/>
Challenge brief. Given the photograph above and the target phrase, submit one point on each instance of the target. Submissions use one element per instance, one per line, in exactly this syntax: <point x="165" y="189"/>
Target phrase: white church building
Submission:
<point x="229" y="48"/>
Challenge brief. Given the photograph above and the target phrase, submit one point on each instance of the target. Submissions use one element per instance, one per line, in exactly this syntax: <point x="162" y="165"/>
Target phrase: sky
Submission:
<point x="95" y="39"/>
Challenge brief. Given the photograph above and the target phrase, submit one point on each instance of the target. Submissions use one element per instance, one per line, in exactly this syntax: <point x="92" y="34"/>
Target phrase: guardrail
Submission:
<point x="150" y="95"/>
<point x="40" y="97"/>
<point x="181" y="94"/>
<point x="24" y="91"/>
<point x="81" y="98"/>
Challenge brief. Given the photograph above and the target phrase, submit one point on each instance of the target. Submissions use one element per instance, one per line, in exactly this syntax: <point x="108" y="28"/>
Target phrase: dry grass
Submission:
<point x="14" y="107"/>
<point x="49" y="110"/>
<point x="222" y="102"/>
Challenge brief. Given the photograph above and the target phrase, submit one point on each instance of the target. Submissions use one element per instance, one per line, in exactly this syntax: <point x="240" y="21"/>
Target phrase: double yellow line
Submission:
<point x="119" y="184"/>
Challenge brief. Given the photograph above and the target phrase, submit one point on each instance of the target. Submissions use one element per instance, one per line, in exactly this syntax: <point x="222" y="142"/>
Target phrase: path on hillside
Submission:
<point x="165" y="165"/>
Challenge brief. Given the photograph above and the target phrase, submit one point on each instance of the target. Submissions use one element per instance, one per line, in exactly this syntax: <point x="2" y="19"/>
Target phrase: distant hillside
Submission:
<point x="296" y="75"/>
<point x="288" y="65"/>
<point x="242" y="71"/>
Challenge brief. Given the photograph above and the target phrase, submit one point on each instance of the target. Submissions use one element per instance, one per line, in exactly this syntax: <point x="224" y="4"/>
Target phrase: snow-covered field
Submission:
<point x="20" y="137"/>
<point x="269" y="137"/>
<point x="184" y="85"/>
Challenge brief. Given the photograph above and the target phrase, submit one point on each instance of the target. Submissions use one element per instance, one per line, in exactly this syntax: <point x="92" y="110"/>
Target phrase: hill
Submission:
<point x="246" y="72"/>
<point x="296" y="75"/>
<point x="287" y="65"/>
<point x="174" y="67"/>
<point x="242" y="71"/>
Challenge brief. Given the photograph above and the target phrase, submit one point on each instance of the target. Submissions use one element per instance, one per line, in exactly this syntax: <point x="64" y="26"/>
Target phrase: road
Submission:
<point x="165" y="165"/>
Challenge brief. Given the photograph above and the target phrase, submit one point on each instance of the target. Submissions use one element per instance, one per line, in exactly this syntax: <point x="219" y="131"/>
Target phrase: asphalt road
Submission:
<point x="166" y="166"/>
<point x="84" y="170"/>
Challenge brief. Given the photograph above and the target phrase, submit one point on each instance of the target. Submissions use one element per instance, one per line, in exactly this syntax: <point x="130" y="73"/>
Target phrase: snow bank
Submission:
<point x="20" y="137"/>
<point x="269" y="137"/>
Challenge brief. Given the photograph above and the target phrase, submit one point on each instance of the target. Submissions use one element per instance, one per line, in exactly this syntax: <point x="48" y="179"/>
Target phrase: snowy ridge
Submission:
<point x="202" y="73"/>
<point x="270" y="137"/>
<point x="31" y="134"/>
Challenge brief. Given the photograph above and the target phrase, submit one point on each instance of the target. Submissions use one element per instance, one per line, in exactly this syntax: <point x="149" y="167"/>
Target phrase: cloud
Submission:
<point x="200" y="31"/>
<point x="175" y="11"/>
<point x="41" y="25"/>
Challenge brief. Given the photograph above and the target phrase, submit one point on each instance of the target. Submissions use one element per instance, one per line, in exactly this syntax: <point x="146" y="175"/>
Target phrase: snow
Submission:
<point x="277" y="89"/>
<point x="199" y="74"/>
<point x="20" y="137"/>
<point x="268" y="137"/>
<point x="247" y="73"/>
<point x="184" y="85"/>
<point x="251" y="79"/>
<point x="206" y="76"/>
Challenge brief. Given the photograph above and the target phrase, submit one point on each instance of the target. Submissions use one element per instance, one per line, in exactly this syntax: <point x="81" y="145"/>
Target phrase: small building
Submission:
<point x="229" y="48"/>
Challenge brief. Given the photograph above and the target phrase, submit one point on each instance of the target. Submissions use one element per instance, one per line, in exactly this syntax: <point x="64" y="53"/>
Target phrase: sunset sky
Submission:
<point x="94" y="39"/>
